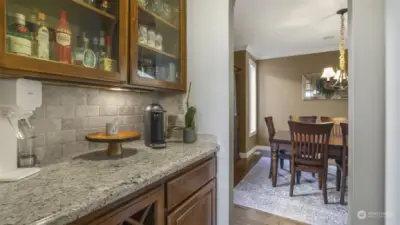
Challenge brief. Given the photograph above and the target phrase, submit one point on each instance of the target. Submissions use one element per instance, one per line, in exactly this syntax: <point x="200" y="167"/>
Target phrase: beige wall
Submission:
<point x="245" y="142"/>
<point x="280" y="90"/>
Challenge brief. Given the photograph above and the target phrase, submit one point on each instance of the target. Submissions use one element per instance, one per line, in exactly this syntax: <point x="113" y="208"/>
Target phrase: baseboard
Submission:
<point x="251" y="151"/>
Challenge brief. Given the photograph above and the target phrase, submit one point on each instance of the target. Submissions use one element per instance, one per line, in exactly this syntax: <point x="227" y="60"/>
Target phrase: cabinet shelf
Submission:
<point x="156" y="17"/>
<point x="156" y="51"/>
<point x="94" y="9"/>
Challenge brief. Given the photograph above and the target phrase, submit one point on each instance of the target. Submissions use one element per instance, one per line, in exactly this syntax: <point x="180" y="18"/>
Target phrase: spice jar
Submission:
<point x="151" y="40"/>
<point x="143" y="34"/>
<point x="158" y="42"/>
<point x="167" y="12"/>
<point x="143" y="3"/>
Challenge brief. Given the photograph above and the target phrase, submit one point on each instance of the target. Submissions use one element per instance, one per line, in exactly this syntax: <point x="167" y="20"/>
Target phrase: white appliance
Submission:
<point x="18" y="99"/>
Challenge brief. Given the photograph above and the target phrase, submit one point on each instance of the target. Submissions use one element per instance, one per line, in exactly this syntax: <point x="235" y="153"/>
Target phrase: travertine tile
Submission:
<point x="81" y="134"/>
<point x="39" y="113"/>
<point x="87" y="110"/>
<point x="74" y="148"/>
<point x="108" y="110"/>
<point x="126" y="110"/>
<point x="45" y="125"/>
<point x="97" y="146"/>
<point x="60" y="137"/>
<point x="75" y="123"/>
<point x="48" y="154"/>
<point x="100" y="121"/>
<point x="60" y="112"/>
<point x="75" y="96"/>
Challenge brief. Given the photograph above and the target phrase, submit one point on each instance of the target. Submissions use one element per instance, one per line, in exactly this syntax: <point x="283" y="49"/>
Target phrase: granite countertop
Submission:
<point x="63" y="192"/>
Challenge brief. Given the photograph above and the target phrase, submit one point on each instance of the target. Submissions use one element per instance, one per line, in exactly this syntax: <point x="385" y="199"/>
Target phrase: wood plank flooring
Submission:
<point x="247" y="216"/>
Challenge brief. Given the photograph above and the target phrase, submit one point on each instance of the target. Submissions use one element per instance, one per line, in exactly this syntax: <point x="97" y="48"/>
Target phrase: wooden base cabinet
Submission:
<point x="197" y="210"/>
<point x="184" y="198"/>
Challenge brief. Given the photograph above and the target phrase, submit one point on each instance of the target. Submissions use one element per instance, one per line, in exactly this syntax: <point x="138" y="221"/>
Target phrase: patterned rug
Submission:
<point x="256" y="191"/>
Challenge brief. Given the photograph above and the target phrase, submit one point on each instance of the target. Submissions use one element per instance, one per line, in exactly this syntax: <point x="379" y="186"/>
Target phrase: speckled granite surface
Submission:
<point x="64" y="192"/>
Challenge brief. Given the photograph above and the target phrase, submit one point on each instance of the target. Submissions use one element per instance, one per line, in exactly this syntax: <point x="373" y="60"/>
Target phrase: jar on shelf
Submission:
<point x="143" y="34"/>
<point x="157" y="7"/>
<point x="158" y="42"/>
<point x="167" y="11"/>
<point x="151" y="40"/>
<point x="143" y="3"/>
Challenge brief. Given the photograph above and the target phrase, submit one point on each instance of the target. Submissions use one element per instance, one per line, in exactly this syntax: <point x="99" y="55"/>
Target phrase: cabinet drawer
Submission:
<point x="185" y="185"/>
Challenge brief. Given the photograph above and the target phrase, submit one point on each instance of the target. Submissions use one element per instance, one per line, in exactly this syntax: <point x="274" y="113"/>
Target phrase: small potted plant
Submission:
<point x="189" y="132"/>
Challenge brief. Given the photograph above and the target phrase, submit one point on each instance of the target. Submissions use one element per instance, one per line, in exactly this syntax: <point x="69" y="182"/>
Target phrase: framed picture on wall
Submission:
<point x="314" y="89"/>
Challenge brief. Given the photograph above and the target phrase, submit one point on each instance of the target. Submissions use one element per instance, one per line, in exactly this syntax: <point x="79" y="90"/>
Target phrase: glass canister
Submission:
<point x="143" y="3"/>
<point x="158" y="42"/>
<point x="143" y="34"/>
<point x="151" y="40"/>
<point x="157" y="7"/>
<point x="167" y="11"/>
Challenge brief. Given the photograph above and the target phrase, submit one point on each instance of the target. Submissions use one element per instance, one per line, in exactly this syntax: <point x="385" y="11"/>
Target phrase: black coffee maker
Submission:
<point x="154" y="126"/>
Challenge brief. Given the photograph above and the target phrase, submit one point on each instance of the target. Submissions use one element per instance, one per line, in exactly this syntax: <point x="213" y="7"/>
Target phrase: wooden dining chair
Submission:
<point x="343" y="164"/>
<point x="304" y="119"/>
<point x="283" y="154"/>
<point x="336" y="130"/>
<point x="310" y="151"/>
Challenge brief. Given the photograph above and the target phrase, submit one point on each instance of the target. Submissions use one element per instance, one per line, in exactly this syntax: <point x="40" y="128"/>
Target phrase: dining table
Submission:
<point x="283" y="137"/>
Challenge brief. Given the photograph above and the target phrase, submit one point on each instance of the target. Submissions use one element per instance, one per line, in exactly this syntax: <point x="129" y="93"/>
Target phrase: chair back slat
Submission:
<point x="345" y="136"/>
<point x="304" y="119"/>
<point x="336" y="130"/>
<point x="310" y="142"/>
<point x="270" y="127"/>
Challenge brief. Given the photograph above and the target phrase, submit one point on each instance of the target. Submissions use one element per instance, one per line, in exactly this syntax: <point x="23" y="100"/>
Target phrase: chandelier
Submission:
<point x="337" y="80"/>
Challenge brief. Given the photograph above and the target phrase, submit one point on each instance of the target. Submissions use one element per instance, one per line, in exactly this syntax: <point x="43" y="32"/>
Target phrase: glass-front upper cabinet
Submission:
<point x="158" y="44"/>
<point x="73" y="38"/>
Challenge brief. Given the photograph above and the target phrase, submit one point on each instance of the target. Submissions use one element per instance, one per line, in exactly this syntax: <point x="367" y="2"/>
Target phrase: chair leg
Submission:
<point x="270" y="169"/>
<point x="343" y="188"/>
<point x="298" y="174"/>
<point x="313" y="174"/>
<point x="292" y="174"/>
<point x="324" y="188"/>
<point x="282" y="162"/>
<point x="338" y="178"/>
<point x="320" y="181"/>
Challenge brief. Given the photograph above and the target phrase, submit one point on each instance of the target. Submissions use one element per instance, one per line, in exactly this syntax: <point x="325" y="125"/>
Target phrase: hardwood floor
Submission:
<point x="247" y="216"/>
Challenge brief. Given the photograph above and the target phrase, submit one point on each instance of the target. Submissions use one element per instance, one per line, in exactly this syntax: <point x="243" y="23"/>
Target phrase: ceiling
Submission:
<point x="277" y="28"/>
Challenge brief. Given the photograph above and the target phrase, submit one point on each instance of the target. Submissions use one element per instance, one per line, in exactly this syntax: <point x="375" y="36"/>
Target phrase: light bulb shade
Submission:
<point x="328" y="73"/>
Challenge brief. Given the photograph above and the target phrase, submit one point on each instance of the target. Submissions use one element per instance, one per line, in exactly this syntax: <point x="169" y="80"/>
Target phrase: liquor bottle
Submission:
<point x="96" y="50"/>
<point x="19" y="36"/>
<point x="108" y="64"/>
<point x="89" y="58"/>
<point x="79" y="51"/>
<point x="43" y="38"/>
<point x="63" y="39"/>
<point x="33" y="28"/>
<point x="108" y="47"/>
<point x="102" y="50"/>
<point x="52" y="45"/>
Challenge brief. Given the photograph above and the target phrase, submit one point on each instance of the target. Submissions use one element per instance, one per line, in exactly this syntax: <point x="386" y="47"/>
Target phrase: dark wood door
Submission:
<point x="197" y="210"/>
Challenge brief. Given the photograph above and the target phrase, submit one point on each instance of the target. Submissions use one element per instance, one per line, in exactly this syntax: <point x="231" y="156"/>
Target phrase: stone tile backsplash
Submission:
<point x="68" y="114"/>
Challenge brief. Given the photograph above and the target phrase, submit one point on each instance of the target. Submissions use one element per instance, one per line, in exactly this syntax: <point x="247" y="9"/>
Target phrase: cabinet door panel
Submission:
<point x="197" y="210"/>
<point x="77" y="38"/>
<point x="158" y="43"/>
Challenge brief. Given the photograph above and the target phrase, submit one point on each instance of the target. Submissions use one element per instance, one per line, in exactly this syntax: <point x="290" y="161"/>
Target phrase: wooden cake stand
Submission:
<point x="115" y="141"/>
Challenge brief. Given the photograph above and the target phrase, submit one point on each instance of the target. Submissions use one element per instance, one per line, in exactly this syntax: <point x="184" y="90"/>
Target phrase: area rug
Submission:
<point x="256" y="191"/>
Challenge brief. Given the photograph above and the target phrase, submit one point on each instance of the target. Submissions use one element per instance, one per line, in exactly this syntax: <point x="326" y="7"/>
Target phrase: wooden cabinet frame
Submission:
<point x="153" y="83"/>
<point x="30" y="64"/>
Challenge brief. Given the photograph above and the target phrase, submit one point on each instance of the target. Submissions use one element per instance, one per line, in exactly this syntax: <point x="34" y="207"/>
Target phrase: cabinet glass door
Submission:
<point x="159" y="43"/>
<point x="83" y="34"/>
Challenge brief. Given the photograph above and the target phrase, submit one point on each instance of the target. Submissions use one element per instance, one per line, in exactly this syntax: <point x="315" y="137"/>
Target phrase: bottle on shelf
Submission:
<point x="105" y="5"/>
<point x="52" y="45"/>
<point x="19" y="36"/>
<point x="96" y="50"/>
<point x="107" y="60"/>
<point x="43" y="38"/>
<point x="33" y="26"/>
<point x="90" y="2"/>
<point x="89" y="58"/>
<point x="63" y="39"/>
<point x="79" y="51"/>
<point x="102" y="49"/>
